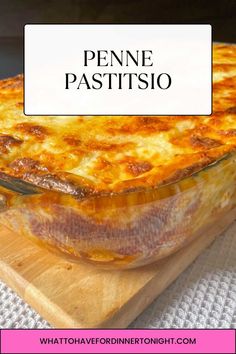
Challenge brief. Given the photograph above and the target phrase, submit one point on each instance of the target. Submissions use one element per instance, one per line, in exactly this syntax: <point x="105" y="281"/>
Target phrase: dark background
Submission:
<point x="221" y="14"/>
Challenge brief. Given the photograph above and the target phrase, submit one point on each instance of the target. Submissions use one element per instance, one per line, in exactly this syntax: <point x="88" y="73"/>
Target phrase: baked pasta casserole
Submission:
<point x="119" y="191"/>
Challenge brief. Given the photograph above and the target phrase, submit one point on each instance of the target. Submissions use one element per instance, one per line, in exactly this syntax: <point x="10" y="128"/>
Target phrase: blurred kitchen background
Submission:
<point x="15" y="13"/>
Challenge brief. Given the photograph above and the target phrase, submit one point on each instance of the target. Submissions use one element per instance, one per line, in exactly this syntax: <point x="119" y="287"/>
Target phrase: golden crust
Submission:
<point x="94" y="155"/>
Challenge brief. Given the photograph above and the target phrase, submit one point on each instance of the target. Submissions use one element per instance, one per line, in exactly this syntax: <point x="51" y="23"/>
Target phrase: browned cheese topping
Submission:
<point x="112" y="154"/>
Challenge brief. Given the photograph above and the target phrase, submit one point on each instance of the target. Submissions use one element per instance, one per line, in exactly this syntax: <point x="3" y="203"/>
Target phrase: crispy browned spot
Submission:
<point x="35" y="130"/>
<point x="54" y="182"/>
<point x="8" y="141"/>
<point x="223" y="67"/>
<point x="12" y="83"/>
<point x="26" y="164"/>
<point x="204" y="142"/>
<point x="187" y="171"/>
<point x="231" y="110"/>
<point x="105" y="146"/>
<point x="141" y="125"/>
<point x="102" y="164"/>
<point x="72" y="140"/>
<point x="137" y="168"/>
<point x="228" y="82"/>
<point x="229" y="132"/>
<point x="19" y="104"/>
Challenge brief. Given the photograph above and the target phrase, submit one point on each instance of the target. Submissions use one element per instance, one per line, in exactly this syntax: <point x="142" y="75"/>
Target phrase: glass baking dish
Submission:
<point x="126" y="230"/>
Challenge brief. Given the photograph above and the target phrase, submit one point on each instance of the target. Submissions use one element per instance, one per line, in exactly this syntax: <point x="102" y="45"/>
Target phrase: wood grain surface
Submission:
<point x="73" y="295"/>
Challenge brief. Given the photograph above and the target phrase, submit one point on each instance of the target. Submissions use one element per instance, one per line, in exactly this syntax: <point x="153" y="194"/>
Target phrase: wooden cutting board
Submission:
<point x="70" y="295"/>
